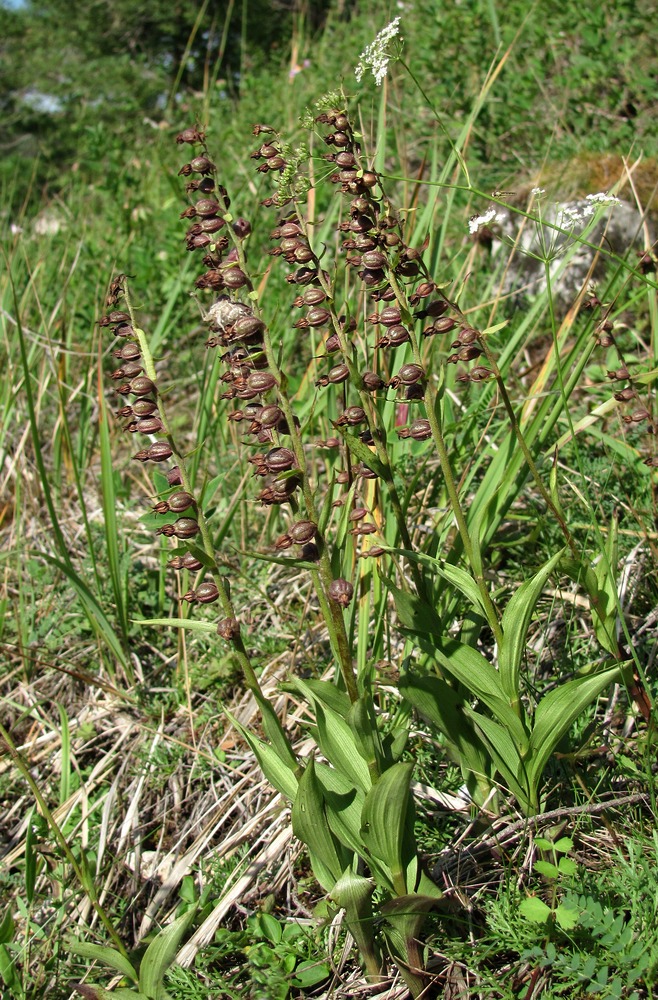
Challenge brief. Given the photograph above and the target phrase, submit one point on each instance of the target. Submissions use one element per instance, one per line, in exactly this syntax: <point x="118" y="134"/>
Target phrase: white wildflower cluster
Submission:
<point x="570" y="215"/>
<point x="375" y="56"/>
<point x="538" y="192"/>
<point x="478" y="222"/>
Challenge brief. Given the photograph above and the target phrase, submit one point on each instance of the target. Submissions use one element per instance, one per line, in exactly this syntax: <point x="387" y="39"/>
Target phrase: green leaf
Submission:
<point x="557" y="711"/>
<point x="99" y="993"/>
<point x="515" y="623"/>
<point x="414" y="613"/>
<point x="567" y="866"/>
<point x="191" y="624"/>
<point x="270" y="927"/>
<point x="309" y="824"/>
<point x="567" y="915"/>
<point x="454" y="575"/>
<point x="363" y="454"/>
<point x="309" y="973"/>
<point x="7" y="928"/>
<point x="481" y="678"/>
<point x="387" y="821"/>
<point x="343" y="804"/>
<point x="534" y="909"/>
<point x="504" y="754"/>
<point x="354" y="894"/>
<point x="31" y="858"/>
<point x="337" y="742"/>
<point x="278" y="772"/>
<point x="441" y="705"/>
<point x="362" y="721"/>
<point x="101" y="953"/>
<point x="326" y="693"/>
<point x="160" y="954"/>
<point x="547" y="868"/>
<point x="563" y="845"/>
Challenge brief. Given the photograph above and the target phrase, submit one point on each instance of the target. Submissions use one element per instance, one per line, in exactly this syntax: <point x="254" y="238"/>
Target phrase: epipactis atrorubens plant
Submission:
<point x="353" y="810"/>
<point x="377" y="313"/>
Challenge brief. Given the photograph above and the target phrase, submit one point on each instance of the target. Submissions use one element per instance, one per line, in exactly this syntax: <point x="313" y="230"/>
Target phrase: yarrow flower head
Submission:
<point x="376" y="56"/>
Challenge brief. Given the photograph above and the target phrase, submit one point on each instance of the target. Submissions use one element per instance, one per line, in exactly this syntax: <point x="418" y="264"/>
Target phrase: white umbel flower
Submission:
<point x="478" y="222"/>
<point x="375" y="57"/>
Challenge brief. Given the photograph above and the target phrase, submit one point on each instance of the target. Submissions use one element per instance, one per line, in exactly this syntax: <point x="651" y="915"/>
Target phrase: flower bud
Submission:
<point x="242" y="228"/>
<point x="279" y="460"/>
<point x="149" y="425"/>
<point x="142" y="386"/>
<point x="269" y="416"/>
<point x="129" y="352"/>
<point x="374" y="260"/>
<point x="420" y="430"/>
<point x="211" y="225"/>
<point x="303" y="531"/>
<point x="341" y="591"/>
<point x="144" y="407"/>
<point x="340" y="373"/>
<point x="202" y="165"/>
<point x="228" y="628"/>
<point x="206" y="207"/>
<point x="234" y="277"/>
<point x="185" y="527"/>
<point x="180" y="501"/>
<point x="173" y="476"/>
<point x="372" y="381"/>
<point x="394" y="336"/>
<point x="261" y="381"/>
<point x="191" y="135"/>
<point x="318" y="316"/>
<point x="352" y="415"/>
<point x="409" y="374"/>
<point x="207" y="592"/>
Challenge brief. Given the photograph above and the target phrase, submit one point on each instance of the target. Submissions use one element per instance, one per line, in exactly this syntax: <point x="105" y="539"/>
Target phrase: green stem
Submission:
<point x="380" y="447"/>
<point x="507" y="403"/>
<point x="322" y="577"/>
<point x="473" y="556"/>
<point x="225" y="602"/>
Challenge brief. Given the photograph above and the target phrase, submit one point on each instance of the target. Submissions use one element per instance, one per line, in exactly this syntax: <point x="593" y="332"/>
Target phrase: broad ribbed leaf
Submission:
<point x="354" y="894"/>
<point x="160" y="954"/>
<point x="471" y="669"/>
<point x="387" y="819"/>
<point x="515" y="622"/>
<point x="440" y="704"/>
<point x="503" y="753"/>
<point x="327" y="693"/>
<point x="559" y="709"/>
<point x="107" y="956"/>
<point x="278" y="772"/>
<point x="414" y="613"/>
<point x="310" y="825"/>
<point x="456" y="577"/>
<point x="337" y="742"/>
<point x="363" y="724"/>
<point x="343" y="804"/>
